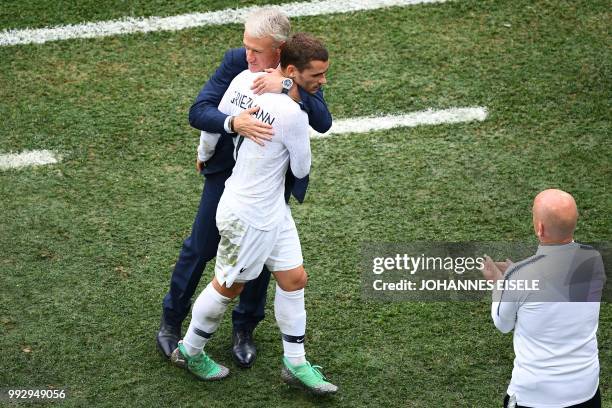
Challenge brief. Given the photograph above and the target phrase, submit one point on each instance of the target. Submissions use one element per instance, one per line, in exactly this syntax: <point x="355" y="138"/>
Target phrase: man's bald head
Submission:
<point x="554" y="216"/>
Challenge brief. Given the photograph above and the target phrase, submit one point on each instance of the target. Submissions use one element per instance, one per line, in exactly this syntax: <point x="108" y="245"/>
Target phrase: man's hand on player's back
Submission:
<point x="246" y="125"/>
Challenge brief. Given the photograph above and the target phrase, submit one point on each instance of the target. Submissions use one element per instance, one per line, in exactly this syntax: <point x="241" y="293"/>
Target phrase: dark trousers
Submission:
<point x="198" y="249"/>
<point x="594" y="402"/>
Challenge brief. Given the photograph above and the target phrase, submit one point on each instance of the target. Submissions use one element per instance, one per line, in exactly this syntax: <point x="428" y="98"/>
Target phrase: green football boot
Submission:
<point x="308" y="377"/>
<point x="201" y="365"/>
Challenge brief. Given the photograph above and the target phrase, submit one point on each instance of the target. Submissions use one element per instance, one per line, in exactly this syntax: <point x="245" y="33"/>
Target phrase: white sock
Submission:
<point x="291" y="319"/>
<point x="205" y="318"/>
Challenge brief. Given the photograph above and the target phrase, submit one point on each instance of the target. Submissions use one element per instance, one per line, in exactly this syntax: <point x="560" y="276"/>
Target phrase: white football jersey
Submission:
<point x="555" y="342"/>
<point x="255" y="190"/>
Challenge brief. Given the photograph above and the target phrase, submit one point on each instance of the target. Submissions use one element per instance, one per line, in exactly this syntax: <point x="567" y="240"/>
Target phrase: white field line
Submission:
<point x="427" y="117"/>
<point x="29" y="158"/>
<point x="352" y="125"/>
<point x="183" y="21"/>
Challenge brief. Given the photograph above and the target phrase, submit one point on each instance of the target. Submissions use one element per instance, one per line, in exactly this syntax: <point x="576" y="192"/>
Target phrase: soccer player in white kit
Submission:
<point x="255" y="223"/>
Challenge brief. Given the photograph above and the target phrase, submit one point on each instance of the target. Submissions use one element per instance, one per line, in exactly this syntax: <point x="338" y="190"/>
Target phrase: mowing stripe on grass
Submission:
<point x="183" y="21"/>
<point x="28" y="158"/>
<point x="426" y="117"/>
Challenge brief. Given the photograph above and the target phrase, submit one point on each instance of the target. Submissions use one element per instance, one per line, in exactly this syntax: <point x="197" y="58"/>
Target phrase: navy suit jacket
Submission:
<point x="205" y="115"/>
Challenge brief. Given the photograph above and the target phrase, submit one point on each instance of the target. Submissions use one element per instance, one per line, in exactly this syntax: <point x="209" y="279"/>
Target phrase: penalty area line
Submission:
<point x="27" y="158"/>
<point x="130" y="25"/>
<point x="427" y="117"/>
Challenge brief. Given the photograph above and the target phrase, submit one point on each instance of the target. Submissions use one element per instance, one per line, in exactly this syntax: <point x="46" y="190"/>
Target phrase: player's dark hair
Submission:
<point x="300" y="49"/>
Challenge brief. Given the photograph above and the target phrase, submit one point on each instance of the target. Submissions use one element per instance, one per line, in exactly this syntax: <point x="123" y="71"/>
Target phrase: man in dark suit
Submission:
<point x="265" y="32"/>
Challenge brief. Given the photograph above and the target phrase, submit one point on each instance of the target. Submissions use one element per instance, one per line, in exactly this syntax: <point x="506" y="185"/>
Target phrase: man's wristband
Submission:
<point x="231" y="124"/>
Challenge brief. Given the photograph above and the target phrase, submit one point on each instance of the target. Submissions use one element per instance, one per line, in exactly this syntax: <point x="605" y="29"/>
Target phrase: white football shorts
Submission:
<point x="244" y="250"/>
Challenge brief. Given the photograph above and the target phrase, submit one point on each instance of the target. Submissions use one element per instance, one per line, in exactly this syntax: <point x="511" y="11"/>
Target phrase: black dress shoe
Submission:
<point x="244" y="349"/>
<point x="167" y="338"/>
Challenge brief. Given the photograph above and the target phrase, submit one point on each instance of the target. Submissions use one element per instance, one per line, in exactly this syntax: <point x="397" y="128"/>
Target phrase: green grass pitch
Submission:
<point x="87" y="246"/>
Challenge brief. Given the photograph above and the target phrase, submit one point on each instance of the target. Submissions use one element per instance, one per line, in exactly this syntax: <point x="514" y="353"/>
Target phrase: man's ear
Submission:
<point x="291" y="71"/>
<point x="539" y="227"/>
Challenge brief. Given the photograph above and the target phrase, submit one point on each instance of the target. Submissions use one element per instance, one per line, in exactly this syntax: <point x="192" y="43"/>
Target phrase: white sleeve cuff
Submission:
<point x="208" y="143"/>
<point x="226" y="125"/>
<point x="201" y="152"/>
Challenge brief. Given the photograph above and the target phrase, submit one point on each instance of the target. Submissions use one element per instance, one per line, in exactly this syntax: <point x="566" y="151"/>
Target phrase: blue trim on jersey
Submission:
<point x="518" y="266"/>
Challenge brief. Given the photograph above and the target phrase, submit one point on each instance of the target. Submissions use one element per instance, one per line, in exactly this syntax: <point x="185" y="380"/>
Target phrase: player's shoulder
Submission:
<point x="246" y="75"/>
<point x="243" y="81"/>
<point x="280" y="103"/>
<point x="291" y="107"/>
<point x="292" y="113"/>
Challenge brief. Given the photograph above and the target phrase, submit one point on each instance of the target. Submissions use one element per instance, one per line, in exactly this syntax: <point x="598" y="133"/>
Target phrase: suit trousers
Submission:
<point x="198" y="249"/>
